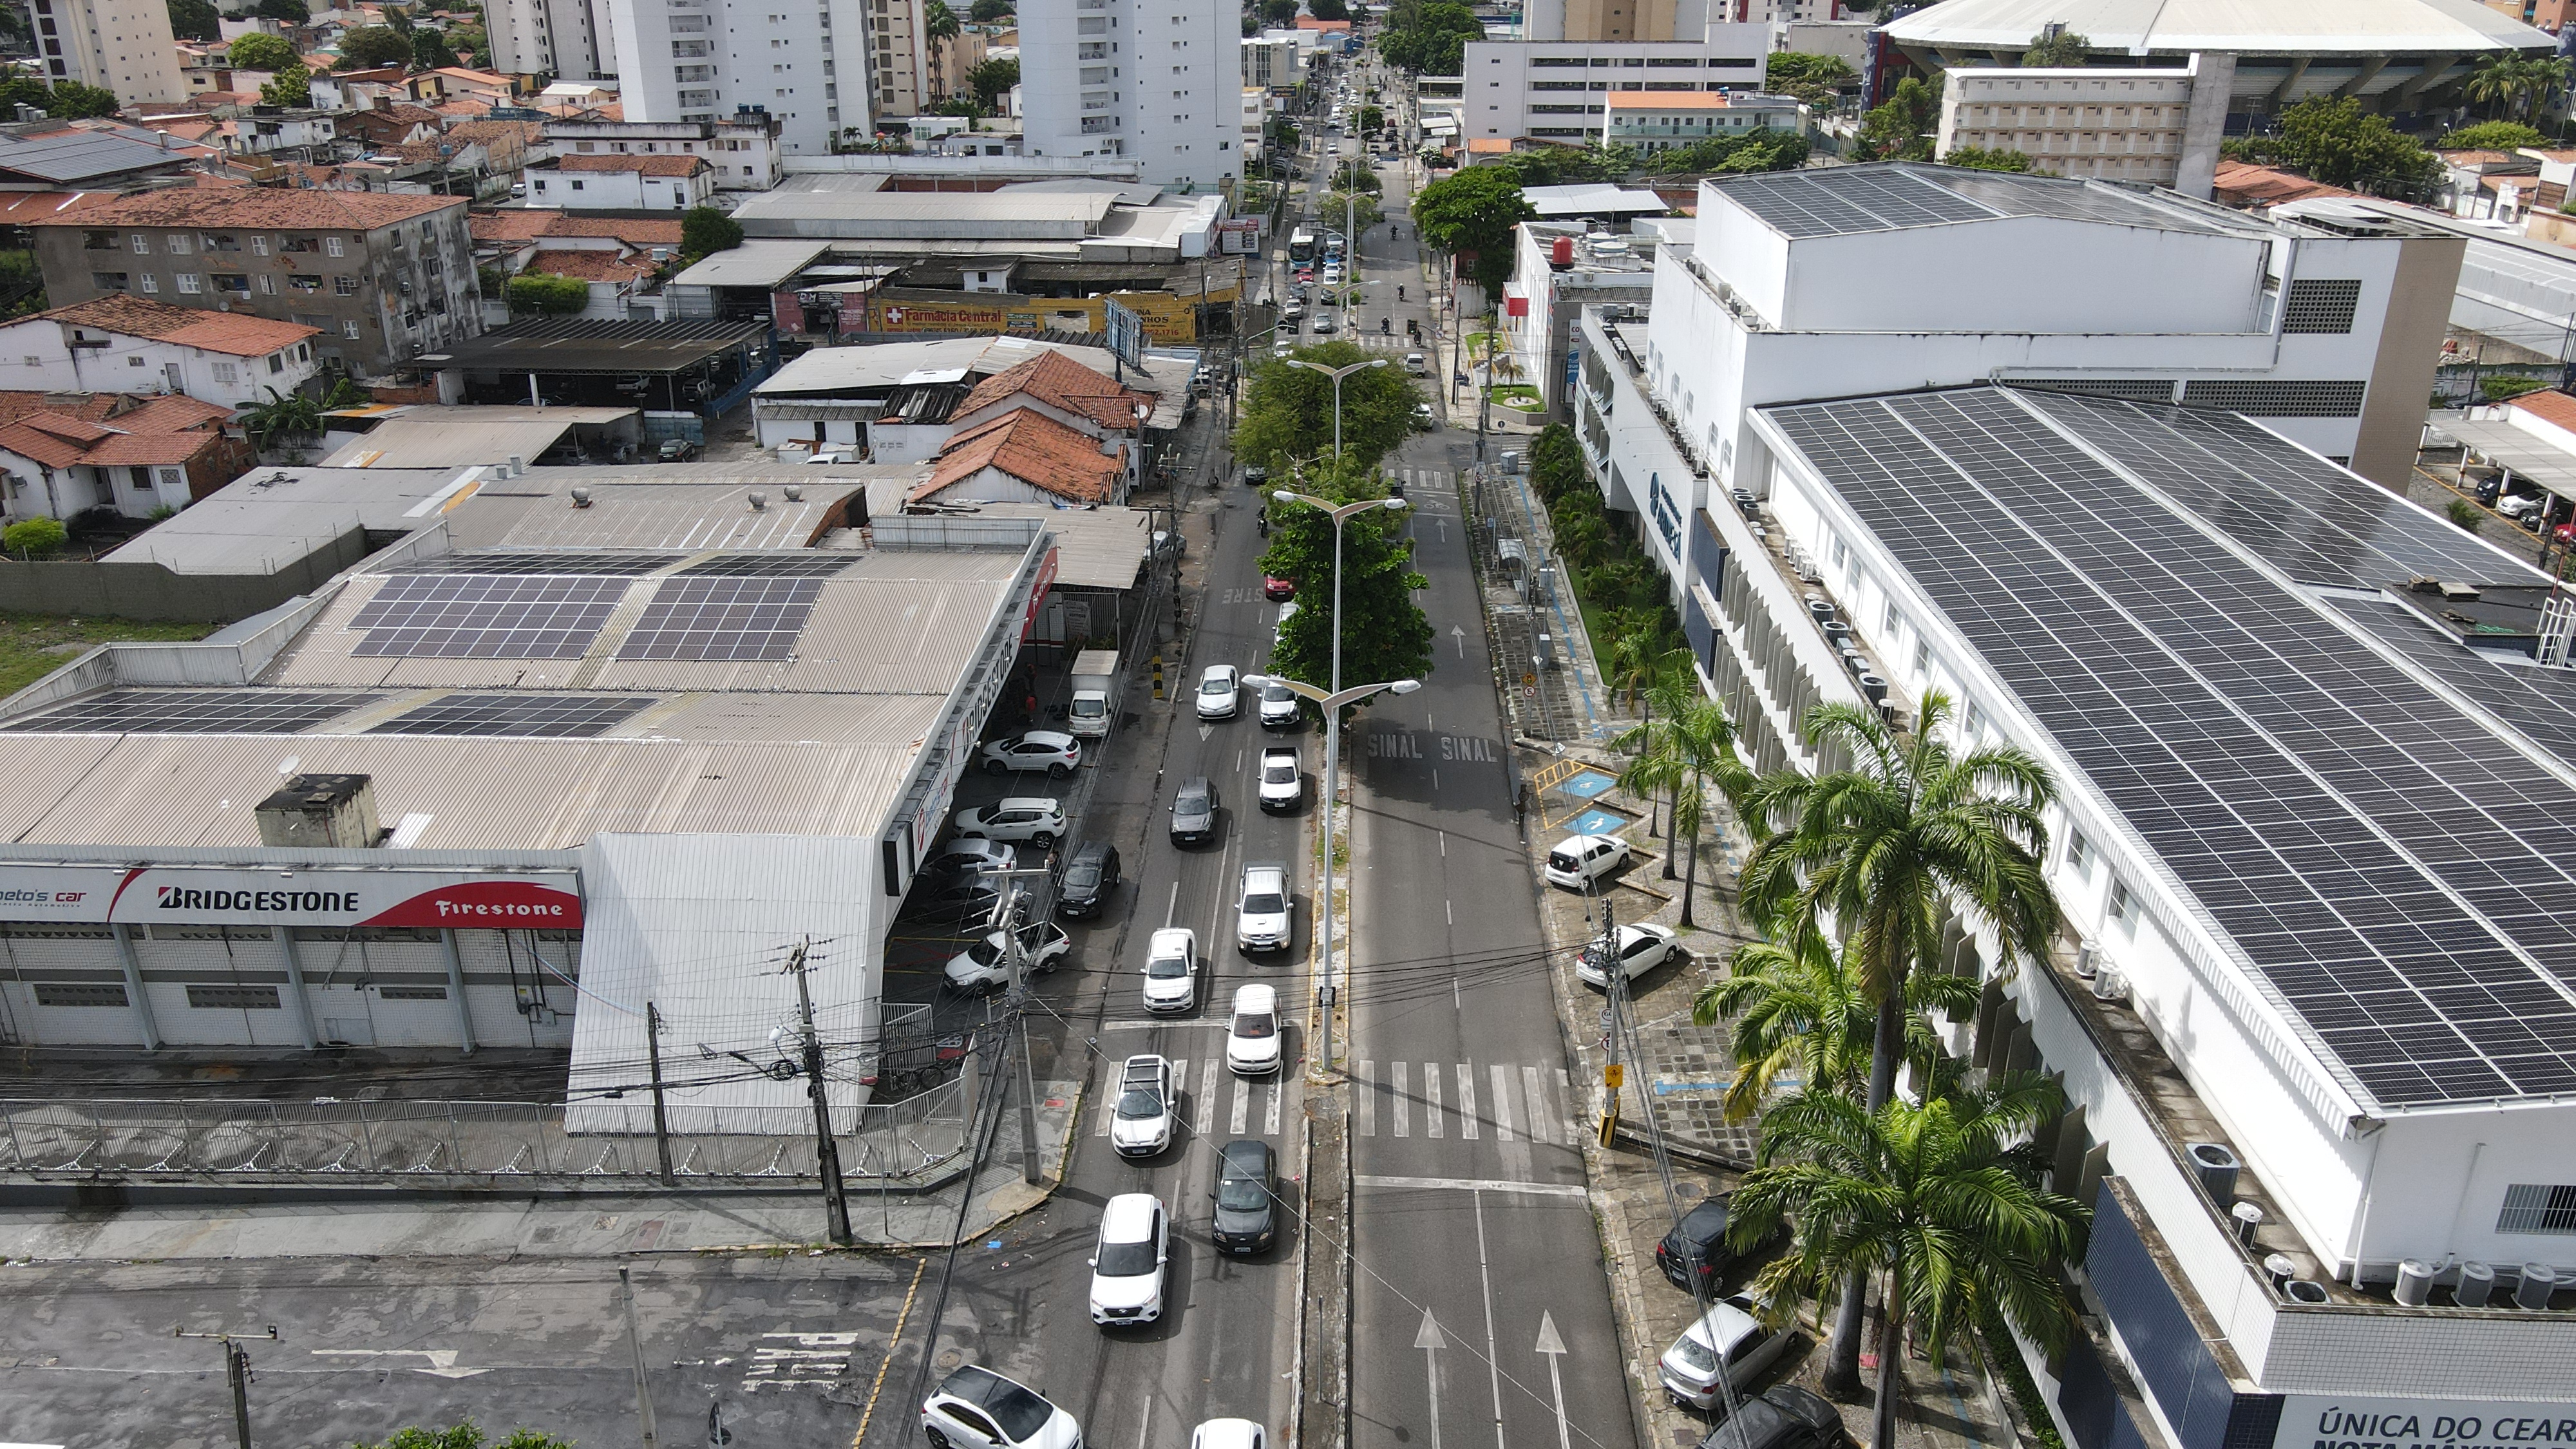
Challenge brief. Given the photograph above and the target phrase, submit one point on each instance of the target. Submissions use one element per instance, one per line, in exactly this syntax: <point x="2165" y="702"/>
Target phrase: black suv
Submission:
<point x="1699" y="1242"/>
<point x="1194" y="811"/>
<point x="1247" y="1202"/>
<point x="1787" y="1417"/>
<point x="1088" y="879"/>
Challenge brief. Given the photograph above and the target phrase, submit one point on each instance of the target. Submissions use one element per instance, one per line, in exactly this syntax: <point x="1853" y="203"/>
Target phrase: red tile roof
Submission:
<point x="2243" y="183"/>
<point x="1035" y="449"/>
<point x="259" y="206"/>
<point x="17" y="208"/>
<point x="513" y="224"/>
<point x="63" y="430"/>
<point x="2549" y="407"/>
<point x="635" y="231"/>
<point x="236" y="334"/>
<point x="648" y="165"/>
<point x="598" y="264"/>
<point x="1066" y="385"/>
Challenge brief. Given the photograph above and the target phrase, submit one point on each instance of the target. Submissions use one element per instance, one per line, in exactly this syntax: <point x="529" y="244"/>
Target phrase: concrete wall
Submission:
<point x="152" y="592"/>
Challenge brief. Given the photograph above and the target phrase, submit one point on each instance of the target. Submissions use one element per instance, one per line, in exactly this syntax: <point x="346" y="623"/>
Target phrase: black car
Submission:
<point x="1194" y="811"/>
<point x="1787" y="1417"/>
<point x="678" y="450"/>
<point x="1247" y="1202"/>
<point x="961" y="897"/>
<point x="1088" y="879"/>
<point x="1698" y="1242"/>
<point x="1254" y="475"/>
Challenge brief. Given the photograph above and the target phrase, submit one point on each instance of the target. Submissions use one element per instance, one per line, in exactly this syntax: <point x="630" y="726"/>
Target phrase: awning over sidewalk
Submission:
<point x="2513" y="449"/>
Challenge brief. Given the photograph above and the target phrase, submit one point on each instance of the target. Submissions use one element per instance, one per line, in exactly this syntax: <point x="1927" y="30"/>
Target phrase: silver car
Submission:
<point x="1727" y="1334"/>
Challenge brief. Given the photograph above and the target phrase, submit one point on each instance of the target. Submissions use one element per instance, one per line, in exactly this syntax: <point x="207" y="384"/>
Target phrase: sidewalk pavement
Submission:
<point x="601" y="1225"/>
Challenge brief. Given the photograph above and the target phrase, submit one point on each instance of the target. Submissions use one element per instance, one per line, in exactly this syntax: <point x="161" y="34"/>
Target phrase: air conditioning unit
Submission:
<point x="2088" y="960"/>
<point x="2109" y="985"/>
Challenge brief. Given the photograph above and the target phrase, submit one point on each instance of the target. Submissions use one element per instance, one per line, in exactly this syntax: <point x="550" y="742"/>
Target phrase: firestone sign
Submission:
<point x="141" y="895"/>
<point x="2316" y="1422"/>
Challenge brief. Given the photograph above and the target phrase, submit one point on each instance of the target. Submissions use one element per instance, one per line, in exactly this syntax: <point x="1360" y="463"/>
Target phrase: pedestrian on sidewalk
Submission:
<point x="1520" y="804"/>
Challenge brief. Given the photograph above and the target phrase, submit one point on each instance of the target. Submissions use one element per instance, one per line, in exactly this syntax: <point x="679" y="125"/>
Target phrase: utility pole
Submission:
<point x="1016" y="951"/>
<point x="661" y="1116"/>
<point x="237" y="1371"/>
<point x="827" y="1153"/>
<point x="635" y="1350"/>
<point x="1605" y="951"/>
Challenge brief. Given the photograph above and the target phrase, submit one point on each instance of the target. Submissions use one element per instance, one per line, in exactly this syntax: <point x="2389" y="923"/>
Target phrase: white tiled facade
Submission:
<point x="1554" y="90"/>
<point x="1155" y="82"/>
<point x="807" y="64"/>
<point x="120" y="45"/>
<point x="2137" y="126"/>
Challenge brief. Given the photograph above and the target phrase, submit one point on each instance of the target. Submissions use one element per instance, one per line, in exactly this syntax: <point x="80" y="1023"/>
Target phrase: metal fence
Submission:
<point x="341" y="1141"/>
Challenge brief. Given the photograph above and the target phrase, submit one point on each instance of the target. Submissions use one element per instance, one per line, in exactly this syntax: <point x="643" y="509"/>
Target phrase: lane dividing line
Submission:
<point x="1470" y="1184"/>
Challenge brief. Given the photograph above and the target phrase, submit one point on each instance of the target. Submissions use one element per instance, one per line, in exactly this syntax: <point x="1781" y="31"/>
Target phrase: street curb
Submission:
<point x="111" y="1194"/>
<point x="1305" y="1253"/>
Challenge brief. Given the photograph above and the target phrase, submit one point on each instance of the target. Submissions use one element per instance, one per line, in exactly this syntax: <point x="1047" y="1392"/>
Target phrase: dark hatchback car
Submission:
<point x="1247" y="1203"/>
<point x="1787" y="1417"/>
<point x="1698" y="1242"/>
<point x="1088" y="879"/>
<point x="1194" y="811"/>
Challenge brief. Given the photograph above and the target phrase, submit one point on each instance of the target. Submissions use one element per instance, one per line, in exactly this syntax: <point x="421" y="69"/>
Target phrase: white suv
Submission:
<point x="1127" y="1266"/>
<point x="1580" y="860"/>
<point x="1141" y="1123"/>
<point x="1033" y="818"/>
<point x="976" y="1408"/>
<point x="1252" y="1037"/>
<point x="1282" y="786"/>
<point x="1261" y="910"/>
<point x="1172" y="970"/>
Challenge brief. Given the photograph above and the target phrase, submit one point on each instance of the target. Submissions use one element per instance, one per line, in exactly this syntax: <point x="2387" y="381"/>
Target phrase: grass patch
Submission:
<point x="35" y="645"/>
<point x="1518" y="395"/>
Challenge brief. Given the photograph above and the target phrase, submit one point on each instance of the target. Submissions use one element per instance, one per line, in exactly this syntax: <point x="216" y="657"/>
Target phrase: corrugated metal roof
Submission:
<point x="756" y="263"/>
<point x="665" y="516"/>
<point x="1096" y="548"/>
<point x="440" y="442"/>
<point x="84" y="155"/>
<point x="271" y="518"/>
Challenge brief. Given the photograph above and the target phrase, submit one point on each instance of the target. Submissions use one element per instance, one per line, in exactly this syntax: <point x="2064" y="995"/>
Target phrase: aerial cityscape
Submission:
<point x="1054" y="724"/>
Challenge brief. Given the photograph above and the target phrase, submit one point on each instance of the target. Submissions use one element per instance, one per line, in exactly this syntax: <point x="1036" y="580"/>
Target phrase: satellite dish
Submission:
<point x="286" y="767"/>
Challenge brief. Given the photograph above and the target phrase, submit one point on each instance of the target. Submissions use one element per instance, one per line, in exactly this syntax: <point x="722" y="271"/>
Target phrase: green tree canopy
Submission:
<point x="2065" y="48"/>
<point x="1557" y="165"/>
<point x="704" y="230"/>
<point x="1901" y="129"/>
<point x="993" y="80"/>
<point x="367" y="46"/>
<point x="1798" y="1012"/>
<point x="429" y="50"/>
<point x="465" y="1436"/>
<point x="285" y="12"/>
<point x="940" y="22"/>
<point x="1362" y="209"/>
<point x="34" y="537"/>
<point x="1288" y="411"/>
<point x="1471" y="216"/>
<point x="1389" y="638"/>
<point x="540" y="292"/>
<point x="73" y="101"/>
<point x="1328" y="9"/>
<point x="294" y="415"/>
<point x="1685" y="750"/>
<point x="260" y="50"/>
<point x="1815" y="79"/>
<point x="1980" y="158"/>
<point x="2490" y="136"/>
<point x="1757" y="150"/>
<point x="1280" y="13"/>
<point x="290" y="86"/>
<point x="1433" y="40"/>
<point x="195" y="20"/>
<point x="2336" y="142"/>
<point x="1357" y="176"/>
<point x="985" y="12"/>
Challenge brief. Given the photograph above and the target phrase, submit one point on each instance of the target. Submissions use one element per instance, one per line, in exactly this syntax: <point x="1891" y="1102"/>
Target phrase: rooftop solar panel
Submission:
<point x="2540" y="702"/>
<point x="768" y="566"/>
<point x="503" y="713"/>
<point x="532" y="561"/>
<point x="193" y="712"/>
<point x="723" y="618"/>
<point x="1846" y="200"/>
<point x="483" y="616"/>
<point x="2385" y="865"/>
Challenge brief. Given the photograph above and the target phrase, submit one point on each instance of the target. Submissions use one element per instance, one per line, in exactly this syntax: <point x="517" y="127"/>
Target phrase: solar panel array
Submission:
<point x="1845" y="200"/>
<point x="2541" y="703"/>
<point x="2394" y="873"/>
<point x="768" y="566"/>
<point x="503" y="713"/>
<point x="544" y="562"/>
<point x="486" y="616"/>
<point x="194" y="712"/>
<point x="722" y="618"/>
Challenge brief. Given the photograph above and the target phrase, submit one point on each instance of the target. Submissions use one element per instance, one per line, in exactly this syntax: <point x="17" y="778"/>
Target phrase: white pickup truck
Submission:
<point x="1261" y="911"/>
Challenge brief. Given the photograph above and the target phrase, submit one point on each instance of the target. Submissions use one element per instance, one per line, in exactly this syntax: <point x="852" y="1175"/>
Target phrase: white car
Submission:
<point x="1729" y="1334"/>
<point x="1057" y="753"/>
<point x="2515" y="505"/>
<point x="1283" y="784"/>
<point x="1229" y="1434"/>
<point x="1252" y="1037"/>
<point x="1640" y="949"/>
<point x="976" y="1408"/>
<point x="985" y="966"/>
<point x="972" y="853"/>
<point x="1127" y="1266"/>
<point x="1261" y="908"/>
<point x="1580" y="860"/>
<point x="1279" y="704"/>
<point x="1324" y="325"/>
<point x="1220" y="690"/>
<point x="1172" y="969"/>
<point x="1033" y="818"/>
<point x="1140" y="1125"/>
<point x="1279" y="630"/>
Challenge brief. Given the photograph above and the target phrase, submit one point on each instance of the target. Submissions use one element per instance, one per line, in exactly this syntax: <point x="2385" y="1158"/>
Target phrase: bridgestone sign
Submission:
<point x="172" y="894"/>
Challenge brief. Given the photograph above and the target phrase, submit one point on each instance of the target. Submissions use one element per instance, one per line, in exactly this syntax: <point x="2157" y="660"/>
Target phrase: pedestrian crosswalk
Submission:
<point x="1217" y="1100"/>
<point x="1436" y="482"/>
<point x="1506" y="1103"/>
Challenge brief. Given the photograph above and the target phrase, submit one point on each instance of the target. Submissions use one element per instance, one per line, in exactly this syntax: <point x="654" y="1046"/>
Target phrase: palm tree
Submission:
<point x="1636" y="651"/>
<point x="1929" y="1195"/>
<point x="1659" y="767"/>
<point x="1799" y="1010"/>
<point x="1701" y="741"/>
<point x="297" y="416"/>
<point x="1883" y="850"/>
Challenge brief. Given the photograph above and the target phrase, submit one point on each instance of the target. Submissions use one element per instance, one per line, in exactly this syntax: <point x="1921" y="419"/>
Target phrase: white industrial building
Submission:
<point x="1158" y="86"/>
<point x="1559" y="89"/>
<point x="1808" y="284"/>
<point x="571" y="749"/>
<point x="2314" y="1005"/>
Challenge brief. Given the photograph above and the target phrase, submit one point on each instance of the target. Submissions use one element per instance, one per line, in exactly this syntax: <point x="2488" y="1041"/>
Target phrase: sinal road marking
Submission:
<point x="441" y="1361"/>
<point x="1431" y="1340"/>
<point x="1553" y="1346"/>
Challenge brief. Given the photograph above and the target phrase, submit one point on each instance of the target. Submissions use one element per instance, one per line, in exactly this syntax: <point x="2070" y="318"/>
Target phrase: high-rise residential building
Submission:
<point x="560" y="38"/>
<point x="806" y="62"/>
<point x="900" y="51"/>
<point x="121" y="45"/>
<point x="1154" y="82"/>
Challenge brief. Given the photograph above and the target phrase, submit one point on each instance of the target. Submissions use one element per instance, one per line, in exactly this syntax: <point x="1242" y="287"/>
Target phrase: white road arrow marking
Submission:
<point x="1206" y="730"/>
<point x="1430" y="1340"/>
<point x="1554" y="1347"/>
<point x="442" y="1361"/>
<point x="1458" y="635"/>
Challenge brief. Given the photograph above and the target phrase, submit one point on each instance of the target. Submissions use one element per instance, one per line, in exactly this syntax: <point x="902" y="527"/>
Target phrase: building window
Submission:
<point x="226" y="372"/>
<point x="150" y="284"/>
<point x="259" y="246"/>
<point x="2079" y="855"/>
<point x="67" y="993"/>
<point x="344" y="286"/>
<point x="2529" y="1207"/>
<point x="349" y="329"/>
<point x="412" y="993"/>
<point x="142" y="244"/>
<point x="237" y="283"/>
<point x="333" y="246"/>
<point x="179" y="244"/>
<point x="234" y="998"/>
<point x="2124" y="906"/>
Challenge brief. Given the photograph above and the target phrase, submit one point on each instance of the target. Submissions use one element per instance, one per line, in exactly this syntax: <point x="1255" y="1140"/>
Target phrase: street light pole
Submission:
<point x="1336" y="374"/>
<point x="1333" y="701"/>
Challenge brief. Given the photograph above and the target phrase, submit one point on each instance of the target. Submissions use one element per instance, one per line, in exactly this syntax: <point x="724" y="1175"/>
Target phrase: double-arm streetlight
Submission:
<point x="1334" y="700"/>
<point x="1336" y="374"/>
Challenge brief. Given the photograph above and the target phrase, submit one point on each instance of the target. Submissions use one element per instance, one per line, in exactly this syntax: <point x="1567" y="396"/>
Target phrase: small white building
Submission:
<point x="1555" y="90"/>
<point x="621" y="183"/>
<point x="134" y="345"/>
<point x="1276" y="61"/>
<point x="1648" y="121"/>
<point x="2151" y="127"/>
<point x="741" y="149"/>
